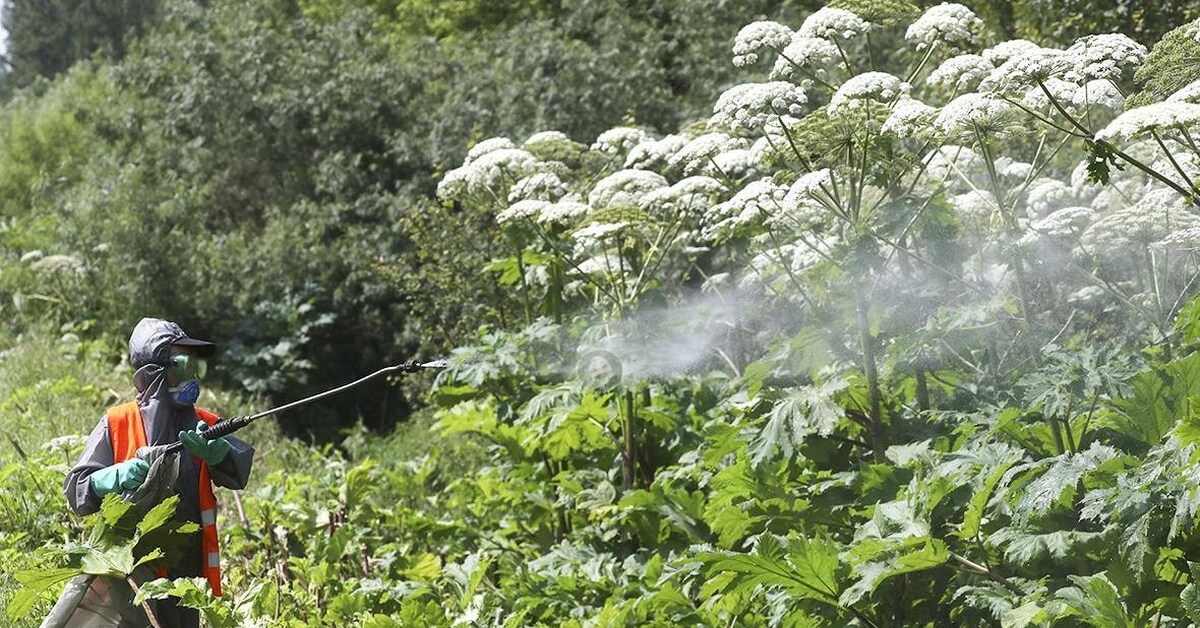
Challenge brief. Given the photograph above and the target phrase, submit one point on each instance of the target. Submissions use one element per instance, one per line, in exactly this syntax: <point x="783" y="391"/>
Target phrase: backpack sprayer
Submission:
<point x="229" y="426"/>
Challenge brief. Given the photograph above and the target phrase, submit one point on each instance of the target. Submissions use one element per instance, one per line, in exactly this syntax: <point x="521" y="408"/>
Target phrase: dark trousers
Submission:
<point x="170" y="615"/>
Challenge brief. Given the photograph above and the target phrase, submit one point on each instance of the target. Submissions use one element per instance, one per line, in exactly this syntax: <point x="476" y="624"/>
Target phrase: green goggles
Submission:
<point x="185" y="367"/>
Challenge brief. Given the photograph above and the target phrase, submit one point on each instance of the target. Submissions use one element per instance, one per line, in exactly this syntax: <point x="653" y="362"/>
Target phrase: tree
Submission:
<point x="45" y="37"/>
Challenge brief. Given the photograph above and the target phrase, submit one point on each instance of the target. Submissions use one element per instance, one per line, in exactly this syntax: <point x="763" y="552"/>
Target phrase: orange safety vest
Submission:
<point x="127" y="434"/>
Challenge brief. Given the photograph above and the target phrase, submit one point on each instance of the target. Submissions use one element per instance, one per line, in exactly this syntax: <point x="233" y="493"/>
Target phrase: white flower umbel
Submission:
<point x="834" y="25"/>
<point x="596" y="233"/>
<point x="1099" y="93"/>
<point x="522" y="209"/>
<point x="758" y="35"/>
<point x="947" y="24"/>
<point x="755" y="202"/>
<point x="1013" y="171"/>
<point x="1006" y="50"/>
<point x="733" y="164"/>
<point x="624" y="188"/>
<point x="910" y="117"/>
<point x="1047" y="195"/>
<point x="962" y="73"/>
<point x="565" y="211"/>
<point x="747" y="107"/>
<point x="877" y="86"/>
<point x="618" y="140"/>
<point x="66" y="264"/>
<point x="487" y="146"/>
<point x="1163" y="116"/>
<point x="545" y="137"/>
<point x="1187" y="93"/>
<point x="1186" y="239"/>
<point x="1062" y="91"/>
<point x="808" y="200"/>
<point x="689" y="198"/>
<point x="1016" y="75"/>
<point x="1066" y="222"/>
<point x="806" y="58"/>
<point x="1146" y="223"/>
<point x="695" y="156"/>
<point x="489" y="175"/>
<point x="1108" y="56"/>
<point x="545" y="186"/>
<point x="976" y="207"/>
<point x="655" y="154"/>
<point x="975" y="115"/>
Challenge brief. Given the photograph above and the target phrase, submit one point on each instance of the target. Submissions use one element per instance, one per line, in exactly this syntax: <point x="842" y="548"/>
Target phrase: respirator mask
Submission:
<point x="187" y="370"/>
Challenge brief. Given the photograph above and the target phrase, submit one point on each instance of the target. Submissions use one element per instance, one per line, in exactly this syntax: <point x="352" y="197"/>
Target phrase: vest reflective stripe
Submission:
<point x="127" y="434"/>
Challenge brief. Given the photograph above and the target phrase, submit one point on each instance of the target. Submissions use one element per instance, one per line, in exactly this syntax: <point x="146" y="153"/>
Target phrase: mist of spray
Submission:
<point x="704" y="332"/>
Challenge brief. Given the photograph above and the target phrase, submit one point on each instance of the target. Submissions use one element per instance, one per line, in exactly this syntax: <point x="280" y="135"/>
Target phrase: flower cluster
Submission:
<point x="747" y="107"/>
<point x="654" y="154"/>
<point x="545" y="137"/>
<point x="949" y="24"/>
<point x="908" y="118"/>
<point x="1024" y="70"/>
<point x="1103" y="57"/>
<point x="878" y="86"/>
<point x="545" y="186"/>
<point x="758" y="200"/>
<point x="1066" y="222"/>
<point x="1187" y="93"/>
<point x="806" y="57"/>
<point x="962" y="73"/>
<point x="834" y="24"/>
<point x="1006" y="50"/>
<point x="529" y="208"/>
<point x="697" y="154"/>
<point x="1099" y="93"/>
<point x="618" y="140"/>
<point x="1158" y="116"/>
<point x="688" y="198"/>
<point x="1038" y="96"/>
<point x="563" y="212"/>
<point x="1146" y="223"/>
<point x="975" y="207"/>
<point x="489" y="173"/>
<point x="487" y="146"/>
<point x="973" y="115"/>
<point x="758" y="35"/>
<point x="624" y="188"/>
<point x="1047" y="195"/>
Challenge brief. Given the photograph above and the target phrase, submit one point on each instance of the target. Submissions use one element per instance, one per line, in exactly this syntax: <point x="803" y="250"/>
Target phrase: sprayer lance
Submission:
<point x="229" y="426"/>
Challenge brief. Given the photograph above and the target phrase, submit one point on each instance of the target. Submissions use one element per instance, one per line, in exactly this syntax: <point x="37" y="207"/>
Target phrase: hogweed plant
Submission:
<point x="966" y="268"/>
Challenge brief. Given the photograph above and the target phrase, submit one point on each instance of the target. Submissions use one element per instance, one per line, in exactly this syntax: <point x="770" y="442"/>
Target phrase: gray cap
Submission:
<point x="151" y="340"/>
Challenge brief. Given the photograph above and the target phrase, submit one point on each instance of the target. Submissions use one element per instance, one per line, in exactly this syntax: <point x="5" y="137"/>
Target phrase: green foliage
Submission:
<point x="1170" y="65"/>
<point x="123" y="537"/>
<point x="46" y="38"/>
<point x="925" y="422"/>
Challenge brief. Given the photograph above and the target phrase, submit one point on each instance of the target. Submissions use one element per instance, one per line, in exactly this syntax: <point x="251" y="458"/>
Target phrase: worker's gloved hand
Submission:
<point x="123" y="476"/>
<point x="211" y="451"/>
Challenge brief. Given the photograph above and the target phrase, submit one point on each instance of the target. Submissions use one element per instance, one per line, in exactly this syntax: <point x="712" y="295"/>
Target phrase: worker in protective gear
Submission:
<point x="169" y="368"/>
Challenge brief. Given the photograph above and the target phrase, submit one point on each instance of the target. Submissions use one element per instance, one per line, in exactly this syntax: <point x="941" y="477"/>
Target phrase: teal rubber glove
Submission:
<point x="123" y="476"/>
<point x="211" y="451"/>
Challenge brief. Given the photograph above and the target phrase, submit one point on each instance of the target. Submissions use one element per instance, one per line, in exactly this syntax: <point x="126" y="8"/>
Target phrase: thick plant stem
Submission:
<point x="874" y="401"/>
<point x="628" y="455"/>
<point x="922" y="392"/>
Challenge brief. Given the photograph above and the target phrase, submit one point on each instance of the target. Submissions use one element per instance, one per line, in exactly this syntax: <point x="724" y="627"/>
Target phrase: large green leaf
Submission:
<point x="928" y="553"/>
<point x="805" y="411"/>
<point x="34" y="584"/>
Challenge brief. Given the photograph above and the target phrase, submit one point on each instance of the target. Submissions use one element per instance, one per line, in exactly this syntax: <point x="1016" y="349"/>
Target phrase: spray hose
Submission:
<point x="229" y="426"/>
